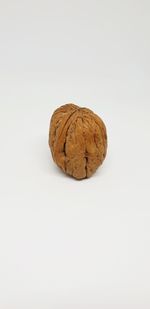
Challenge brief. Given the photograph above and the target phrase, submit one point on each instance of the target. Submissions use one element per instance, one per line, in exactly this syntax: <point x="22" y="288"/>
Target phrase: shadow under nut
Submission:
<point x="78" y="140"/>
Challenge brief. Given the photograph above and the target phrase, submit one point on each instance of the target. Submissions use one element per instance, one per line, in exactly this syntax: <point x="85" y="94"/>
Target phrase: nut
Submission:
<point x="78" y="140"/>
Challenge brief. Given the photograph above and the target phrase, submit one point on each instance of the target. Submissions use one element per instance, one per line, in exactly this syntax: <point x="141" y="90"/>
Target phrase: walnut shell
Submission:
<point x="78" y="140"/>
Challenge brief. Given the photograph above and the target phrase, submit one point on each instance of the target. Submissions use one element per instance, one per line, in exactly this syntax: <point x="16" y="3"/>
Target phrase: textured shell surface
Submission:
<point x="78" y="140"/>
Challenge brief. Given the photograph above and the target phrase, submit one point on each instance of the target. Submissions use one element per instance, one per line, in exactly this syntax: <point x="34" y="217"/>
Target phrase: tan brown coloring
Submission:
<point x="78" y="140"/>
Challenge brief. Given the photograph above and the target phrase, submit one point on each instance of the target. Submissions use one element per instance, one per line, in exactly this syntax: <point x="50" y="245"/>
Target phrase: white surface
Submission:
<point x="66" y="243"/>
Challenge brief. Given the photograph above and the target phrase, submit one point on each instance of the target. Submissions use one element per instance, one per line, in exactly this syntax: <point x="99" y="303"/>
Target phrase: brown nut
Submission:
<point x="78" y="140"/>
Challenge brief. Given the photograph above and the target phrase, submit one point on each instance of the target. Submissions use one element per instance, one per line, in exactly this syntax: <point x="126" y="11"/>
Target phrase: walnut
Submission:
<point x="78" y="140"/>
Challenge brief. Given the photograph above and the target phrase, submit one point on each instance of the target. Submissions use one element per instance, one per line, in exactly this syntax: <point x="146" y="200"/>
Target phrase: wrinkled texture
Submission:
<point x="78" y="140"/>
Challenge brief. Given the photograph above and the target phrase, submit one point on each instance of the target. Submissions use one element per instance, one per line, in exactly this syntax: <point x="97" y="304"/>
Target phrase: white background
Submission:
<point x="65" y="243"/>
